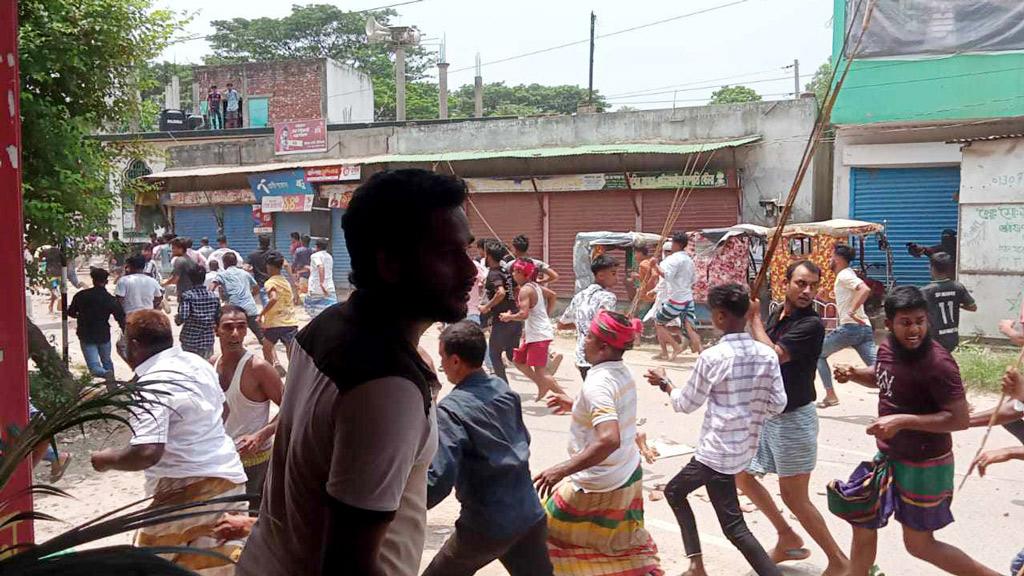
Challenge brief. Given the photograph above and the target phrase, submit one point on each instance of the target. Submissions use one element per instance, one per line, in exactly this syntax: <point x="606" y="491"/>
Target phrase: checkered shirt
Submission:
<point x="197" y="310"/>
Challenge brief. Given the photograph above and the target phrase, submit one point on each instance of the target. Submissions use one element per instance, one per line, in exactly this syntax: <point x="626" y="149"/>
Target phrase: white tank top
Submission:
<point x="244" y="415"/>
<point x="538" y="325"/>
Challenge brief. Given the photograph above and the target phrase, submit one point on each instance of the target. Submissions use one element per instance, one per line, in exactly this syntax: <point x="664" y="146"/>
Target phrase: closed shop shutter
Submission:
<point x="195" y="223"/>
<point x="284" y="224"/>
<point x="915" y="204"/>
<point x="510" y="214"/>
<point x="238" y="227"/>
<point x="574" y="212"/>
<point x="339" y="251"/>
<point x="711" y="208"/>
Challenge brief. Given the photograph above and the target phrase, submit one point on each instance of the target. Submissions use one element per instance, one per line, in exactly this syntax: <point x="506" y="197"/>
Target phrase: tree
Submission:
<point x="819" y="84"/>
<point x="524" y="100"/>
<point x="320" y="31"/>
<point x="81" y="64"/>
<point x="156" y="77"/>
<point x="734" y="95"/>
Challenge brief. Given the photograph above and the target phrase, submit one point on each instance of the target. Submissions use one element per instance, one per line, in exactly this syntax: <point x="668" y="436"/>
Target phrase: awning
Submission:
<point x="585" y="150"/>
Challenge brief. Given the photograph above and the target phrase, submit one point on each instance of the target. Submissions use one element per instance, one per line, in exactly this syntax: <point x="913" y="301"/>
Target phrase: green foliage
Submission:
<point x="982" y="367"/>
<point x="81" y="61"/>
<point x="524" y="100"/>
<point x="820" y="82"/>
<point x="734" y="95"/>
<point x="154" y="78"/>
<point x="323" y="31"/>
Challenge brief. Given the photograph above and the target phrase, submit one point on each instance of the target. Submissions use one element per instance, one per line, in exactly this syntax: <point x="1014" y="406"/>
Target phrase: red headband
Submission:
<point x="610" y="329"/>
<point x="525" y="267"/>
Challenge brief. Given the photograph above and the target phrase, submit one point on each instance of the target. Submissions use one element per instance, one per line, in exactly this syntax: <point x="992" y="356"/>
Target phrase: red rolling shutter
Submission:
<point x="704" y="208"/>
<point x="510" y="214"/>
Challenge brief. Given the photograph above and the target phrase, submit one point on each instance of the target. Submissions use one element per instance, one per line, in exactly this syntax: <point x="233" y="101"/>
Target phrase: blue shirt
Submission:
<point x="484" y="452"/>
<point x="238" y="285"/>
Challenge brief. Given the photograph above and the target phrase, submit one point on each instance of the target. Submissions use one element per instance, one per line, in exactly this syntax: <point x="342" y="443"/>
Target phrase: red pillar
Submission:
<point x="13" y="334"/>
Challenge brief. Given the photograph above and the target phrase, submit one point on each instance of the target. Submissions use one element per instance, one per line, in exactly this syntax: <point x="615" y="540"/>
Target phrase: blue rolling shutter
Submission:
<point x="284" y="224"/>
<point x="339" y="251"/>
<point x="238" y="227"/>
<point x="915" y="204"/>
<point x="196" y="223"/>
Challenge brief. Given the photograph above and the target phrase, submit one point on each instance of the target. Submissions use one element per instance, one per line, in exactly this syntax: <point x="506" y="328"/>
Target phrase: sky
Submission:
<point x="702" y="45"/>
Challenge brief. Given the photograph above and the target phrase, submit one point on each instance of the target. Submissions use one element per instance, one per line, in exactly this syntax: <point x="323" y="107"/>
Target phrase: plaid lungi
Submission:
<point x="918" y="493"/>
<point x="194" y="531"/>
<point x="600" y="533"/>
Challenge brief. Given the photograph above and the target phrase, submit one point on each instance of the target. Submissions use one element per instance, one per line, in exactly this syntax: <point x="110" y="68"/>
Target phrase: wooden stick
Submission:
<point x="991" y="423"/>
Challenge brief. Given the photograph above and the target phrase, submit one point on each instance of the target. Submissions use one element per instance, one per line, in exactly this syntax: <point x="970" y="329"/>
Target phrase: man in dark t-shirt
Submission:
<point x="181" y="275"/>
<point x="945" y="299"/>
<point x="788" y="445"/>
<point x="257" y="262"/>
<point x="500" y="293"/>
<point x="93" y="308"/>
<point x="920" y="402"/>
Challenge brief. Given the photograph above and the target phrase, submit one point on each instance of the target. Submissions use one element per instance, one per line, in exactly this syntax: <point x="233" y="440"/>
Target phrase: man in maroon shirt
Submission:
<point x="920" y="402"/>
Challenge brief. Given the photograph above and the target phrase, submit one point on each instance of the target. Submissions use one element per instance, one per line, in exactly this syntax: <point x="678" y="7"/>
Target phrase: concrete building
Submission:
<point x="916" y="103"/>
<point x="290" y="90"/>
<point x="546" y="177"/>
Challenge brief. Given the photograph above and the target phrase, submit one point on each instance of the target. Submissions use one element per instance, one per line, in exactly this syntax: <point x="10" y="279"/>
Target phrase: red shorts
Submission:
<point x="532" y="353"/>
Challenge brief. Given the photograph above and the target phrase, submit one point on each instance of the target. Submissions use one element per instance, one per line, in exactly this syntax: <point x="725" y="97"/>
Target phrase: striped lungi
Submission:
<point x="918" y="493"/>
<point x="600" y="533"/>
<point x="788" y="445"/>
<point x="194" y="531"/>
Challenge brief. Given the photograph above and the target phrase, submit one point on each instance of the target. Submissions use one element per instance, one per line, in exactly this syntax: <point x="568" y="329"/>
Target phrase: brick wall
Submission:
<point x="294" y="87"/>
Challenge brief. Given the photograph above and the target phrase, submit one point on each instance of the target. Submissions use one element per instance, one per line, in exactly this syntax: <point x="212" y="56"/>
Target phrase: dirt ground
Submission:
<point x="988" y="512"/>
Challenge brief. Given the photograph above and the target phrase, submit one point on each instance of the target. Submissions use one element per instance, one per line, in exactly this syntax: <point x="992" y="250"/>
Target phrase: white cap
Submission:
<point x="667" y="246"/>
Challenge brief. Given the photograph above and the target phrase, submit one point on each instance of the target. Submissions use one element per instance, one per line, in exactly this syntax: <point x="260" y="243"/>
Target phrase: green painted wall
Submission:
<point x="948" y="88"/>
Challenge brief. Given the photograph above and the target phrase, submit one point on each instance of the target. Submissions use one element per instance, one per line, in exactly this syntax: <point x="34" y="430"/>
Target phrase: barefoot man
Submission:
<point x="788" y="445"/>
<point x="596" y="516"/>
<point x="532" y="356"/>
<point x="679" y="273"/>
<point x="920" y="402"/>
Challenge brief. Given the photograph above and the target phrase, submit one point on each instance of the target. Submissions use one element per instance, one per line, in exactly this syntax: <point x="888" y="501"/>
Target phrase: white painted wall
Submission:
<point x="349" y="94"/>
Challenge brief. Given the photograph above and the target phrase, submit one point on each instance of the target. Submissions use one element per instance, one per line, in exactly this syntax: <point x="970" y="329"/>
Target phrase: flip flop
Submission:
<point x="827" y="403"/>
<point x="792" y="555"/>
<point x="58" y="472"/>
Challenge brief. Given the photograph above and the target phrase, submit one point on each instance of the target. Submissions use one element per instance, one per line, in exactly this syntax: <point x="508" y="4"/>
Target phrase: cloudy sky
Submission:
<point x="697" y="46"/>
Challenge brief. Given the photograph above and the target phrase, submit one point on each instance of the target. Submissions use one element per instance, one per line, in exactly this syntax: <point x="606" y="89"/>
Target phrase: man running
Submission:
<point x="238" y="287"/>
<point x="532" y="356"/>
<point x="946" y="297"/>
<point x="788" y="444"/>
<point x="181" y="275"/>
<point x="484" y="453"/>
<point x="197" y="316"/>
<point x="321" y="294"/>
<point x="587" y="303"/>
<point x="136" y="290"/>
<point x="250" y="384"/>
<point x="740" y="380"/>
<point x="222" y="249"/>
<point x="521" y="250"/>
<point x="299" y="268"/>
<point x="347" y="486"/>
<point x="594" y="500"/>
<point x="278" y="317"/>
<point x="500" y="294"/>
<point x="257" y="262"/>
<point x="93" y="308"/>
<point x="854" y="325"/>
<point x="679" y="274"/>
<point x="204" y="248"/>
<point x="920" y="402"/>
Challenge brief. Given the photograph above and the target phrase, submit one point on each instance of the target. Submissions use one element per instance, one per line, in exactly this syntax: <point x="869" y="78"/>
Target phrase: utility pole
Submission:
<point x="796" y="79"/>
<point x="478" y="90"/>
<point x="442" y="84"/>
<point x="399" y="82"/>
<point x="590" y="90"/>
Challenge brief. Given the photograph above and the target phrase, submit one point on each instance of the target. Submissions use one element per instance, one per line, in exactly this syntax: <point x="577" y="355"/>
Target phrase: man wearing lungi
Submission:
<point x="596" y="516"/>
<point x="920" y="402"/>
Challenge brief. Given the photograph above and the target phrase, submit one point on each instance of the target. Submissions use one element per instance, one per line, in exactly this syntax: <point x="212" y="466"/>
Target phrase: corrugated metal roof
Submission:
<point x="590" y="149"/>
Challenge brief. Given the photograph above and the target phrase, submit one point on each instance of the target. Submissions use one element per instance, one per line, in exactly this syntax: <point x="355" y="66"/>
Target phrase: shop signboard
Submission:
<point x="338" y="195"/>
<point x="289" y="203"/>
<point x="300" y="136"/>
<point x="341" y="173"/>
<point x="282" y="183"/>
<point x="610" y="181"/>
<point x="262" y="223"/>
<point x="210" y="197"/>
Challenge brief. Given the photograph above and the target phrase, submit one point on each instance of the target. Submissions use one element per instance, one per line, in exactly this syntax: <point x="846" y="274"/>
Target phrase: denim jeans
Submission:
<point x="860" y="337"/>
<point x="97" y="358"/>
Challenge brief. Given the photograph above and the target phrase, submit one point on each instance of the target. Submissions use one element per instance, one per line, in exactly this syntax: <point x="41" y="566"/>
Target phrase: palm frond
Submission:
<point x="121" y="560"/>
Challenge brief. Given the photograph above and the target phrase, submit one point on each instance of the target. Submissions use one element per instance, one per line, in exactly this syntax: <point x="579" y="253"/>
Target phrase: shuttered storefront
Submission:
<point x="510" y="214"/>
<point x="238" y="227"/>
<point x="284" y="224"/>
<point x="708" y="208"/>
<point x="915" y="204"/>
<point x="574" y="212"/>
<point x="339" y="251"/>
<point x="196" y="222"/>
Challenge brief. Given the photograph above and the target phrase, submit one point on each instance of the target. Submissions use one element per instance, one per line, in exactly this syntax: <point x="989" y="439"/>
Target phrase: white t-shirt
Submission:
<point x="218" y="257"/>
<point x="186" y="418"/>
<point x="846" y="285"/>
<point x="321" y="260"/>
<point x="680" y="274"/>
<point x="138" y="291"/>
<point x="608" y="393"/>
<point x="211" y="277"/>
<point x="476" y="294"/>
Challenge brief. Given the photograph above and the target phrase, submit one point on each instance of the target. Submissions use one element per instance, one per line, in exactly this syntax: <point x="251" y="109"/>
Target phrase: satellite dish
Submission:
<point x="375" y="32"/>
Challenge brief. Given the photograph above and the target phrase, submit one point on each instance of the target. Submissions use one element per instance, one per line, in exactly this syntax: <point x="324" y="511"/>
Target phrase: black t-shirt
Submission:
<point x="801" y="334"/>
<point x="258" y="261"/>
<point x="302" y="259"/>
<point x="183" y="266"/>
<point x="496" y="278"/>
<point x="944" y="301"/>
<point x="93" y="307"/>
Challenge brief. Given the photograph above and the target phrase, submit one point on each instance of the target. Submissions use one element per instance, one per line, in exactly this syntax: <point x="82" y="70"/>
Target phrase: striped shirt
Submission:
<point x="740" y="379"/>
<point x="608" y="394"/>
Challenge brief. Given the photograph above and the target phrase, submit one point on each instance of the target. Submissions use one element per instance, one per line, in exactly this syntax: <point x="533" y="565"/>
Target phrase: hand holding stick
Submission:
<point x="991" y="422"/>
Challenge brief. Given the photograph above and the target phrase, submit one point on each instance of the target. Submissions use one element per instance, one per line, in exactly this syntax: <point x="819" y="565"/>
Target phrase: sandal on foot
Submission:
<point x="827" y="403"/>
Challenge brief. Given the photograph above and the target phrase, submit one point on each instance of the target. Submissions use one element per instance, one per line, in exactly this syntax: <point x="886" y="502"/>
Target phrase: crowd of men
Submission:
<point x="341" y="479"/>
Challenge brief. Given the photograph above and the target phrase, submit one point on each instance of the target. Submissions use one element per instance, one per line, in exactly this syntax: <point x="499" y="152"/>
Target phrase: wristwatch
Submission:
<point x="665" y="385"/>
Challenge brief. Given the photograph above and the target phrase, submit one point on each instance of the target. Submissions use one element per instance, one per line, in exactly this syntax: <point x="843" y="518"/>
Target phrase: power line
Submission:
<point x="630" y="103"/>
<point x="607" y="35"/>
<point x="691" y="83"/>
<point x="709" y="86"/>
